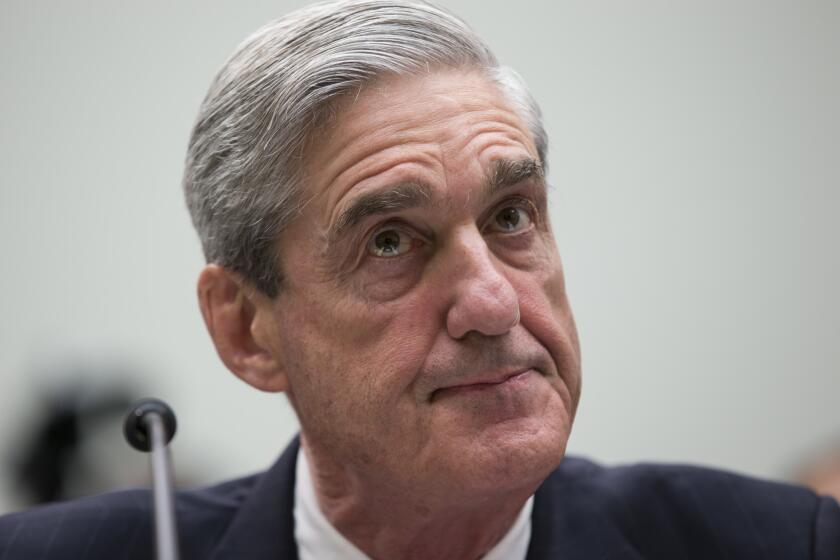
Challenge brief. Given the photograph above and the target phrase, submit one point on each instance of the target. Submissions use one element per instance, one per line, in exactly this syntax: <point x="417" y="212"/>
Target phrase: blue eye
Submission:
<point x="512" y="219"/>
<point x="389" y="243"/>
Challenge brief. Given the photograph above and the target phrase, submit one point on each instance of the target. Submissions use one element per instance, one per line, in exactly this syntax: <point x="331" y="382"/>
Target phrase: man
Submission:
<point x="369" y="187"/>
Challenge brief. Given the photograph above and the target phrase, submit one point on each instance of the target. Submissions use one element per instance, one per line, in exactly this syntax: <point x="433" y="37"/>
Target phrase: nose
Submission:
<point x="483" y="298"/>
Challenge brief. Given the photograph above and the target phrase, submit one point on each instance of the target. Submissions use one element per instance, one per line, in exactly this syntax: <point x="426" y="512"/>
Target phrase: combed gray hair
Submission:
<point x="244" y="164"/>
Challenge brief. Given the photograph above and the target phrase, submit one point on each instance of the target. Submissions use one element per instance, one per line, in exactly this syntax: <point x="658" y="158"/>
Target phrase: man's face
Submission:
<point x="423" y="322"/>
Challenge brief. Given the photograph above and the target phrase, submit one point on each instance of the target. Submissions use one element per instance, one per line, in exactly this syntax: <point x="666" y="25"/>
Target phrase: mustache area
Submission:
<point x="483" y="361"/>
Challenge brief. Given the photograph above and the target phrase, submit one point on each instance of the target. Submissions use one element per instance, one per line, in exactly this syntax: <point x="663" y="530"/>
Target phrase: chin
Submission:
<point x="513" y="457"/>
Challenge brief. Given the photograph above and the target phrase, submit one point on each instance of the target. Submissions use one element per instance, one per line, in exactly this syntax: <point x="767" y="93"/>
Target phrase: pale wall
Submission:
<point x="695" y="152"/>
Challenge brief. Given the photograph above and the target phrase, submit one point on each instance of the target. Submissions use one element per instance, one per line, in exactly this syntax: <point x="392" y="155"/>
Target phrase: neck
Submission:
<point x="388" y="522"/>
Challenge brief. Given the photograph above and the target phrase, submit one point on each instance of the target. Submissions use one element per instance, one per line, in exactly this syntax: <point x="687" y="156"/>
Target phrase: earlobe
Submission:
<point x="238" y="319"/>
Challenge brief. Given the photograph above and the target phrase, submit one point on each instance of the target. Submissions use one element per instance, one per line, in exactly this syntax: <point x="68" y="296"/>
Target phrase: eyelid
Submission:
<point x="517" y="201"/>
<point x="396" y="225"/>
<point x="355" y="246"/>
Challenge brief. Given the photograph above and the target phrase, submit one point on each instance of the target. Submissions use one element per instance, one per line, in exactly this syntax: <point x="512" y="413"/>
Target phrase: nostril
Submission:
<point x="489" y="309"/>
<point x="483" y="298"/>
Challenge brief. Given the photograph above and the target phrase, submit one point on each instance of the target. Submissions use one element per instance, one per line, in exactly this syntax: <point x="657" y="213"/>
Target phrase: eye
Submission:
<point x="511" y="219"/>
<point x="389" y="243"/>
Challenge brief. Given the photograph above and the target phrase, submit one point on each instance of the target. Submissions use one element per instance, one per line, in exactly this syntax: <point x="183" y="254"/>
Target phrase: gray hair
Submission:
<point x="244" y="164"/>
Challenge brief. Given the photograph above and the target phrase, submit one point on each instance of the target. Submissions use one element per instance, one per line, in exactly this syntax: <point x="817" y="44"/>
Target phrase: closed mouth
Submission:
<point x="480" y="385"/>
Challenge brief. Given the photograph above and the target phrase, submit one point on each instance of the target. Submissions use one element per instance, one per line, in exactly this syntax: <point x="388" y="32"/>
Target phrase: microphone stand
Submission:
<point x="150" y="426"/>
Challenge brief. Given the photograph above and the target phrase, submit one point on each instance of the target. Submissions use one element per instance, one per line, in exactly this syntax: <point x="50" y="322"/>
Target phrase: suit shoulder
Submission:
<point x="103" y="524"/>
<point x="119" y="523"/>
<point x="663" y="507"/>
<point x="678" y="484"/>
<point x="703" y="489"/>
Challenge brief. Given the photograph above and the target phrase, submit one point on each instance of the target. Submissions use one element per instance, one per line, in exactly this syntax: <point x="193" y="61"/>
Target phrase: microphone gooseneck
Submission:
<point x="136" y="430"/>
<point x="149" y="426"/>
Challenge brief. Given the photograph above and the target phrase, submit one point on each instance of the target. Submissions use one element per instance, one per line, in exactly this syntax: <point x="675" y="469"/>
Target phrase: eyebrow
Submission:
<point x="504" y="173"/>
<point x="509" y="173"/>
<point x="400" y="197"/>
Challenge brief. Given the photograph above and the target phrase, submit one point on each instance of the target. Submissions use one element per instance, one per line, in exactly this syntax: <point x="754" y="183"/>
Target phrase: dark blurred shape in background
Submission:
<point x="68" y="441"/>
<point x="49" y="456"/>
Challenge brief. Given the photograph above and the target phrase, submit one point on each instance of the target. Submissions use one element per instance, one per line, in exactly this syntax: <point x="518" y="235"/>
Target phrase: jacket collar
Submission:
<point x="264" y="527"/>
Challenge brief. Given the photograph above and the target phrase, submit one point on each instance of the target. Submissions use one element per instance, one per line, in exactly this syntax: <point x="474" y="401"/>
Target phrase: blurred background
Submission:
<point x="695" y="161"/>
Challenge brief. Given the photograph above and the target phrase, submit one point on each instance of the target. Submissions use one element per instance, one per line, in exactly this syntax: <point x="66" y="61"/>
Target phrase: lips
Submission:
<point x="482" y="383"/>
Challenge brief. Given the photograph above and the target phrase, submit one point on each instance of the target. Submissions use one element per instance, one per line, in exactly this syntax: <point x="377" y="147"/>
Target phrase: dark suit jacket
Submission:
<point x="582" y="511"/>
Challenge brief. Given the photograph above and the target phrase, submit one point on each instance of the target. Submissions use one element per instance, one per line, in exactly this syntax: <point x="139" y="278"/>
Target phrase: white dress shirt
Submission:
<point x="317" y="539"/>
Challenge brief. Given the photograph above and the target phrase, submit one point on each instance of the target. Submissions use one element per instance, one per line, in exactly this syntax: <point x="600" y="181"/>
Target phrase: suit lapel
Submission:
<point x="264" y="527"/>
<point x="567" y="522"/>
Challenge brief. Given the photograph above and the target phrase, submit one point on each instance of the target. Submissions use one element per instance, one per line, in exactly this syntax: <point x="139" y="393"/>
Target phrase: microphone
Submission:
<point x="149" y="426"/>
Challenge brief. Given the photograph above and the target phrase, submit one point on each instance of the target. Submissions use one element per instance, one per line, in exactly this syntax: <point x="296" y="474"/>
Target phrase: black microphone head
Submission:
<point x="134" y="427"/>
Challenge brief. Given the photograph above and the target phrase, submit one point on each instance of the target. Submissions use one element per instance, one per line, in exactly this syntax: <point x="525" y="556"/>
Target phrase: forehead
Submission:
<point x="409" y="125"/>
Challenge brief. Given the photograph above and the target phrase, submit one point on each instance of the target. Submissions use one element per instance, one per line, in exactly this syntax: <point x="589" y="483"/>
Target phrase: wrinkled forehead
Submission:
<point x="396" y="118"/>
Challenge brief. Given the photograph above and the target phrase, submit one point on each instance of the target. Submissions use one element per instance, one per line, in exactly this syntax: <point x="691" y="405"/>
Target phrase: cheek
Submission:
<point x="354" y="357"/>
<point x="381" y="281"/>
<point x="547" y="315"/>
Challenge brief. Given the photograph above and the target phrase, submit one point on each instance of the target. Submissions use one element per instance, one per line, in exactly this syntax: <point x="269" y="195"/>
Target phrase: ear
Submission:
<point x="241" y="323"/>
